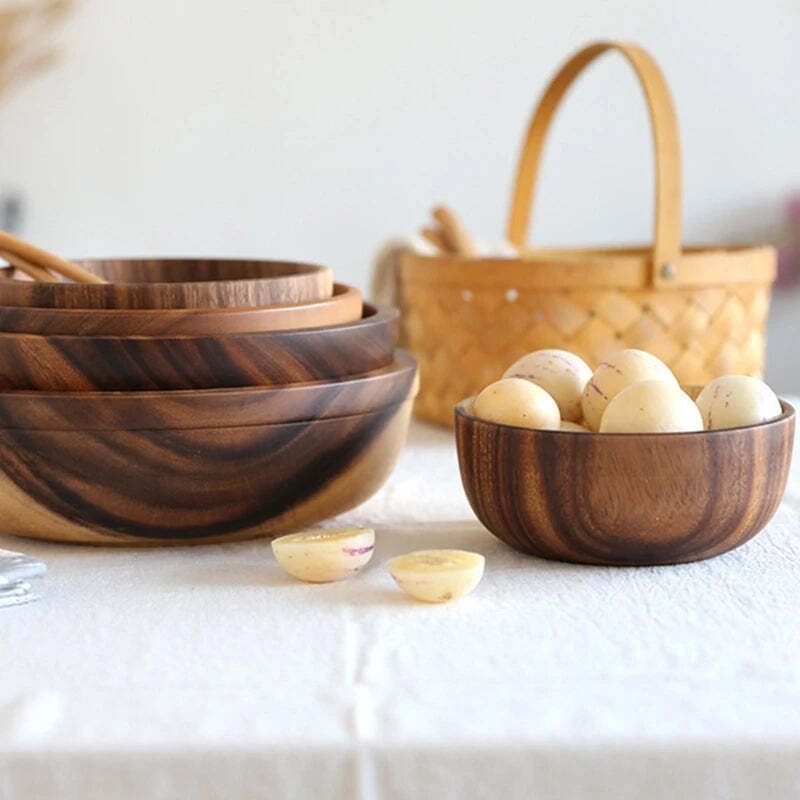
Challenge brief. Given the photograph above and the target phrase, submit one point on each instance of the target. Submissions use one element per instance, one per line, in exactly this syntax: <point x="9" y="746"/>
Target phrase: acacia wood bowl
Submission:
<point x="210" y="408"/>
<point x="624" y="499"/>
<point x="152" y="283"/>
<point x="135" y="363"/>
<point x="343" y="306"/>
<point x="193" y="485"/>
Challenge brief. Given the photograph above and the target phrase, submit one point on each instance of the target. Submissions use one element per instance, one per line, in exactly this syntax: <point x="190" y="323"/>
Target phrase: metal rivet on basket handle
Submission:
<point x="667" y="225"/>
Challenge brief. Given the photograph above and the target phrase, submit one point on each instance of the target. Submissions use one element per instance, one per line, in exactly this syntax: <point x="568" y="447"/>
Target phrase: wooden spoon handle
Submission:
<point x="454" y="233"/>
<point x="43" y="259"/>
<point x="37" y="273"/>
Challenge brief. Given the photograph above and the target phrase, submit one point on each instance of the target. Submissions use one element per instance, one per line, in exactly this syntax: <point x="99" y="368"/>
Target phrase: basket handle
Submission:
<point x="667" y="225"/>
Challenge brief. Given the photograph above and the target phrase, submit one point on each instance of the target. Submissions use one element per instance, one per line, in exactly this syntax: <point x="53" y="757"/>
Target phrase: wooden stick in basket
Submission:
<point x="37" y="273"/>
<point x="454" y="233"/>
<point x="45" y="260"/>
<point x="435" y="237"/>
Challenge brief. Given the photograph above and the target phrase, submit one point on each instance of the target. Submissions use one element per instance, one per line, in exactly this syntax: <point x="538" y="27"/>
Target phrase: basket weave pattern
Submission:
<point x="702" y="310"/>
<point x="699" y="332"/>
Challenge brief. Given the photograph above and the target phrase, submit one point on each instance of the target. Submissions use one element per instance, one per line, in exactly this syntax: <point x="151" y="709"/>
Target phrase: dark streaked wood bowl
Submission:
<point x="210" y="408"/>
<point x="270" y="358"/>
<point x="174" y="283"/>
<point x="193" y="485"/>
<point x="624" y="499"/>
<point x="343" y="306"/>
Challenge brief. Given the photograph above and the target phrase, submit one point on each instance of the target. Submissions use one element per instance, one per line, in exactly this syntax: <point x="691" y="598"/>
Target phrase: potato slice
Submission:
<point x="321" y="556"/>
<point x="436" y="576"/>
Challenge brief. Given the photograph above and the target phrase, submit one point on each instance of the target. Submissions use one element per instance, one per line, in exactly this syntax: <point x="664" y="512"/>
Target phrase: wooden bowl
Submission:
<point x="624" y="499"/>
<point x="210" y="408"/>
<point x="175" y="283"/>
<point x="107" y="363"/>
<point x="193" y="485"/>
<point x="343" y="306"/>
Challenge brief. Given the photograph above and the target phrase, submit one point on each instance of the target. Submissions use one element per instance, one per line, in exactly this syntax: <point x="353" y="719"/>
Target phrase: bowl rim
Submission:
<point x="787" y="413"/>
<point x="297" y="269"/>
<point x="408" y="400"/>
<point x="402" y="361"/>
<point x="371" y="315"/>
<point x="341" y="291"/>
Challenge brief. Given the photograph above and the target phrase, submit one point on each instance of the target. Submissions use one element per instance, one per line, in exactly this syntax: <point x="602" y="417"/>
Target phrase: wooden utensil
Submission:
<point x="450" y="236"/>
<point x="270" y="358"/>
<point x="434" y="236"/>
<point x="153" y="283"/>
<point x="345" y="305"/>
<point x="36" y="262"/>
<point x="455" y="235"/>
<point x="31" y="270"/>
<point x="624" y="499"/>
<point x="193" y="485"/>
<point x="210" y="408"/>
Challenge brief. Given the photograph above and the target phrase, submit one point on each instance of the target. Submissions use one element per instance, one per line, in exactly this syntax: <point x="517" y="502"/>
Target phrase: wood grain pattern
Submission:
<point x="624" y="499"/>
<point x="194" y="485"/>
<point x="210" y="408"/>
<point x="152" y="283"/>
<point x="345" y="305"/>
<point x="91" y="363"/>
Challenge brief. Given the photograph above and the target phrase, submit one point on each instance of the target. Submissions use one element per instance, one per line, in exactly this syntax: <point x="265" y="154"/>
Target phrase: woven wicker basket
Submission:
<point x="701" y="309"/>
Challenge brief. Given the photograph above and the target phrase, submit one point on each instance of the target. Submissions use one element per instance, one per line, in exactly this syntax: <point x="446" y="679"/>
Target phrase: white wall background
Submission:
<point x="314" y="129"/>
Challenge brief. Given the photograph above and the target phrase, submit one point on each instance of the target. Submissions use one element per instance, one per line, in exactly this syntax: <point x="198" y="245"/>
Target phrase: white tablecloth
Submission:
<point x="207" y="673"/>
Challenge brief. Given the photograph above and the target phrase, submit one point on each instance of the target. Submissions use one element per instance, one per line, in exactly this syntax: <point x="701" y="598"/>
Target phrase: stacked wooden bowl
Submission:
<point x="167" y="401"/>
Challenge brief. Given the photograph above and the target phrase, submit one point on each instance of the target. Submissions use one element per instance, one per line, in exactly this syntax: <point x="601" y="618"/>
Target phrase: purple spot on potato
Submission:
<point x="549" y="368"/>
<point x="563" y="360"/>
<point x="597" y="389"/>
<point x="358" y="551"/>
<point x="611" y="366"/>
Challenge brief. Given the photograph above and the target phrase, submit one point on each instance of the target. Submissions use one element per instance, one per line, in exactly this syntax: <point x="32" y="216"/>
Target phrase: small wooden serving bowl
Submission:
<point x="624" y="499"/>
<point x="137" y="363"/>
<point x="211" y="408"/>
<point x="193" y="485"/>
<point x="343" y="306"/>
<point x="153" y="283"/>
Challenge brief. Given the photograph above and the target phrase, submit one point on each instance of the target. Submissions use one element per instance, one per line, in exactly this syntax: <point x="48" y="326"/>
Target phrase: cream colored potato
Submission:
<point x="516" y="401"/>
<point x="651" y="407"/>
<point x="737" y="400"/>
<point x="615" y="374"/>
<point x="436" y="576"/>
<point x="573" y="426"/>
<point x="561" y="374"/>
<point x="324" y="555"/>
